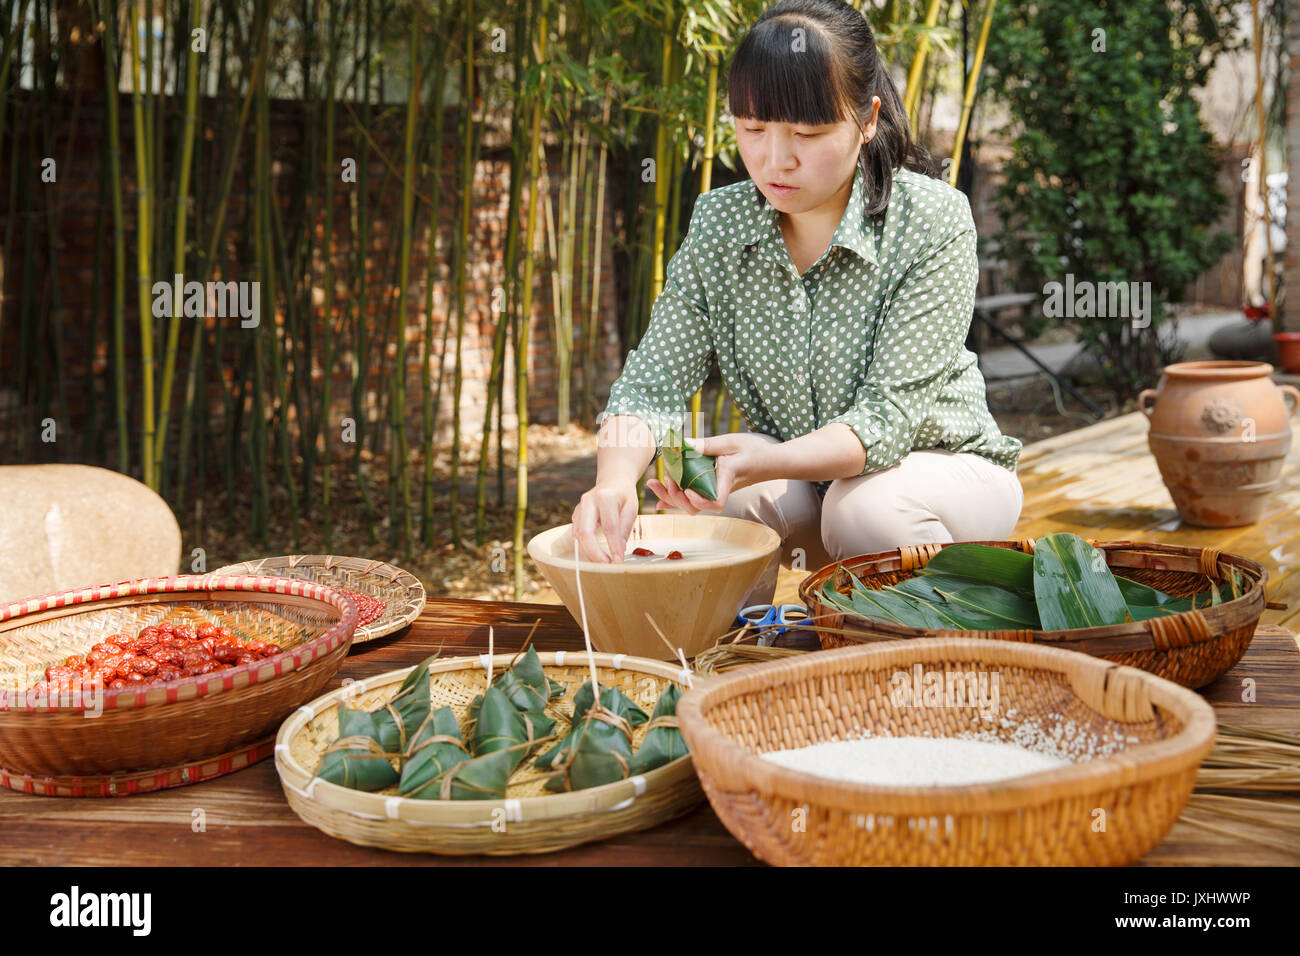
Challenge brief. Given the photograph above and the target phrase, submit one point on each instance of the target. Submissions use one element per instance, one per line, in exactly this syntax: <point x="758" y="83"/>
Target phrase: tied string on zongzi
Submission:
<point x="485" y="777"/>
<point x="360" y="742"/>
<point x="436" y="739"/>
<point x="667" y="720"/>
<point x="400" y="723"/>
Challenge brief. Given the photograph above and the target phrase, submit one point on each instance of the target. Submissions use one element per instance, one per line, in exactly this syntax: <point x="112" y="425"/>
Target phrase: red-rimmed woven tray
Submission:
<point x="1192" y="648"/>
<point x="155" y="728"/>
<point x="141" y="781"/>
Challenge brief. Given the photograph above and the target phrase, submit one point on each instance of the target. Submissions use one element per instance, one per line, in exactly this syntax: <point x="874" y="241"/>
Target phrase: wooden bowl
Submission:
<point x="91" y="740"/>
<point x="693" y="602"/>
<point x="1134" y="740"/>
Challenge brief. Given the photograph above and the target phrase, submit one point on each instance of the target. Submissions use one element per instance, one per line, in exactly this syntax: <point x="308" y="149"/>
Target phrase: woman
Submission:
<point x="835" y="289"/>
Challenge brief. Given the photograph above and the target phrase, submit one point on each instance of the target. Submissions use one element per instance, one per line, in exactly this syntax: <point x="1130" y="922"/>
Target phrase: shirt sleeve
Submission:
<point x="919" y="340"/>
<point x="672" y="359"/>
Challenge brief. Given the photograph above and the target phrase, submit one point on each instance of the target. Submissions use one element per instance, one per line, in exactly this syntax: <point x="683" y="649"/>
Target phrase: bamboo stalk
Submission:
<point x="972" y="83"/>
<point x="462" y="262"/>
<point x="912" y="94"/>
<point x="178" y="252"/>
<point x="661" y="199"/>
<point x="593" y="300"/>
<point x="430" y="422"/>
<point x="706" y="183"/>
<point x="143" y="245"/>
<point x="496" y="373"/>
<point x="327" y="283"/>
<point x="361" y="232"/>
<point x="525" y="312"/>
<point x="408" y="203"/>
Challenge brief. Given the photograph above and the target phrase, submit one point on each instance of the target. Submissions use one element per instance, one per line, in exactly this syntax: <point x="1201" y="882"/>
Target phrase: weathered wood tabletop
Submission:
<point x="247" y="821"/>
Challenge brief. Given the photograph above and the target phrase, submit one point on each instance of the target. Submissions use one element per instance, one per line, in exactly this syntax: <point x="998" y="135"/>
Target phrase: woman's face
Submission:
<point x="815" y="160"/>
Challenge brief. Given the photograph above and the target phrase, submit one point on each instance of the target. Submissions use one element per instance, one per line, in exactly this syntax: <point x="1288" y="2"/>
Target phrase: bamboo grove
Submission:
<point x="587" y="102"/>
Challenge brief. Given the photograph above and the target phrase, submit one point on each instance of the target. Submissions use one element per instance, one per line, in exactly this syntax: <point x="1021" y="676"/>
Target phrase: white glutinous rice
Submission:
<point x="914" y="761"/>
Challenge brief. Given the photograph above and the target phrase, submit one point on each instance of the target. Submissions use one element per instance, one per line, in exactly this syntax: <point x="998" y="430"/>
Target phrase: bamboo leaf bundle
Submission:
<point x="1066" y="583"/>
<point x="691" y="470"/>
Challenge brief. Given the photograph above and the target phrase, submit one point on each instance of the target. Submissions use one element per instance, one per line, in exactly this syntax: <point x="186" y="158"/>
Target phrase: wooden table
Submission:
<point x="247" y="821"/>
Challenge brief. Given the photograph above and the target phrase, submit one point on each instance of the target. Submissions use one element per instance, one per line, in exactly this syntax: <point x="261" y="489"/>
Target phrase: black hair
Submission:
<point x="826" y="73"/>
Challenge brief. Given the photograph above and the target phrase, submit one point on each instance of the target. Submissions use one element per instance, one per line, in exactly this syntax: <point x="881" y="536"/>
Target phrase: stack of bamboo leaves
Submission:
<point x="1066" y="583"/>
<point x="421" y="751"/>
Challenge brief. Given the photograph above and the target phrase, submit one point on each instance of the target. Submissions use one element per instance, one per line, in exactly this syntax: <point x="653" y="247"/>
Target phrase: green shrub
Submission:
<point x="1113" y="177"/>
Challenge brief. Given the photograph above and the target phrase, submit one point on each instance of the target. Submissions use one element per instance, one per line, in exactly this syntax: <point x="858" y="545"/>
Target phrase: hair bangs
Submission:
<point x="779" y="75"/>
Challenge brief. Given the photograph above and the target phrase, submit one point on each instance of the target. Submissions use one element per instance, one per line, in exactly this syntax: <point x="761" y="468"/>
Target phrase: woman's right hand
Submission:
<point x="612" y="507"/>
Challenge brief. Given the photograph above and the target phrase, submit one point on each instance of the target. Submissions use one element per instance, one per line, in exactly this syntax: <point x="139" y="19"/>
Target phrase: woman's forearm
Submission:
<point x="833" y="451"/>
<point x="624" y="447"/>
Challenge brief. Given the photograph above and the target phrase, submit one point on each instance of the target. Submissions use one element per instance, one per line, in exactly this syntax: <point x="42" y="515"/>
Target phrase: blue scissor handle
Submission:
<point x="766" y="615"/>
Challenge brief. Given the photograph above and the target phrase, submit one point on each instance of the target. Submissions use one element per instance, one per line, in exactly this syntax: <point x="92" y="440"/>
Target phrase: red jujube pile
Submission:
<point x="160" y="652"/>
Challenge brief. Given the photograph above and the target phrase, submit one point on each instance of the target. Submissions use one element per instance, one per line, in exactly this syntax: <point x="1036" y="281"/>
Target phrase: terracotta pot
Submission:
<point x="1220" y="432"/>
<point x="1288" y="351"/>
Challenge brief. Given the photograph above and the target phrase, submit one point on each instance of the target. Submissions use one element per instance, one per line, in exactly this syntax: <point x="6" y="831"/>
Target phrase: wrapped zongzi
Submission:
<point x="597" y="751"/>
<point x="499" y="725"/>
<point x="613" y="700"/>
<point x="691" y="470"/>
<point x="663" y="742"/>
<point x="436" y="748"/>
<point x="356" y="759"/>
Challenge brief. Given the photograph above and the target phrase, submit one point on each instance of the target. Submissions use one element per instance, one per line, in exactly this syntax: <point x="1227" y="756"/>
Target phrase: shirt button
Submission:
<point x="801" y="378"/>
<point x="797" y="305"/>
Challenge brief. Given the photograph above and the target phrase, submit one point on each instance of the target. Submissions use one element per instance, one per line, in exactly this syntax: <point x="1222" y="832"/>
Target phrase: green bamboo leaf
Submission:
<point x="690" y="469"/>
<point x="1073" y="585"/>
<point x="910" y="612"/>
<point x="997" y="607"/>
<point x="1002" y="567"/>
<point x="870" y="608"/>
<point x="1146" y="596"/>
<point x="1215" y="597"/>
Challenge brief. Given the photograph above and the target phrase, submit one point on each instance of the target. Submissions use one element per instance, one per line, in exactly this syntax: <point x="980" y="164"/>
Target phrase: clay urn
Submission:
<point x="1220" y="432"/>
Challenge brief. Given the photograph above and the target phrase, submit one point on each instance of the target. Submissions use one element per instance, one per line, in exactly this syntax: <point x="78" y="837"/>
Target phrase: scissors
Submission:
<point x="764" y="616"/>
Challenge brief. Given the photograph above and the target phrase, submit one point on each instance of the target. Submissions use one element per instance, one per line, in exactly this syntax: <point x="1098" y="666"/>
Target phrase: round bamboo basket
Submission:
<point x="101" y="741"/>
<point x="1138" y="741"/>
<point x="401" y="590"/>
<point x="1192" y="648"/>
<point x="530" y="819"/>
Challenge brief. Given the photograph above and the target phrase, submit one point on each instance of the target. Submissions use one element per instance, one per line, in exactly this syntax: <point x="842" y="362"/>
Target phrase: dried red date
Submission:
<point x="643" y="552"/>
<point x="674" y="555"/>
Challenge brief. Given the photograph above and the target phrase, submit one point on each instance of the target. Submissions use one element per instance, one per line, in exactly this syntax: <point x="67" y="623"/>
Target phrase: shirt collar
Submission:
<point x="855" y="231"/>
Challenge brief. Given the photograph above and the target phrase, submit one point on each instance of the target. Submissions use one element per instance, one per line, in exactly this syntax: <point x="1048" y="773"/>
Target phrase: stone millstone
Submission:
<point x="70" y="526"/>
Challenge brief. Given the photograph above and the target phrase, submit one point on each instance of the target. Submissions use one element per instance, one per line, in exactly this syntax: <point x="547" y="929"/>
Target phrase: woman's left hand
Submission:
<point x="741" y="459"/>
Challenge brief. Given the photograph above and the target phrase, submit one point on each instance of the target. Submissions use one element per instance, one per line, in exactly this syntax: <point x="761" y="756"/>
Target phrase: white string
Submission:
<point x="489" y="663"/>
<point x="582" y="609"/>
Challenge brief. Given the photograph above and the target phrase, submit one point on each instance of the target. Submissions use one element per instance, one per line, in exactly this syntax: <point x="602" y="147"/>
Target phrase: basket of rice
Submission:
<point x="951" y="751"/>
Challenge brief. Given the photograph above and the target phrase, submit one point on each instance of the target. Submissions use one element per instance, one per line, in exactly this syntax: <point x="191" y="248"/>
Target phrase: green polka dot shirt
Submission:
<point x="872" y="335"/>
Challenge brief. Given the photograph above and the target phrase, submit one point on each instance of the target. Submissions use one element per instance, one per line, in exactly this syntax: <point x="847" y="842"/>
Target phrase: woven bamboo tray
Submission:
<point x="1193" y="648"/>
<point x="402" y="590"/>
<point x="1147" y="738"/>
<point x="530" y="819"/>
<point x="103" y="742"/>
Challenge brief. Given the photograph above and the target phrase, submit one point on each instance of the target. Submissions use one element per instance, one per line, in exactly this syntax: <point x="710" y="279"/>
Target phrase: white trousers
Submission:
<point x="930" y="496"/>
